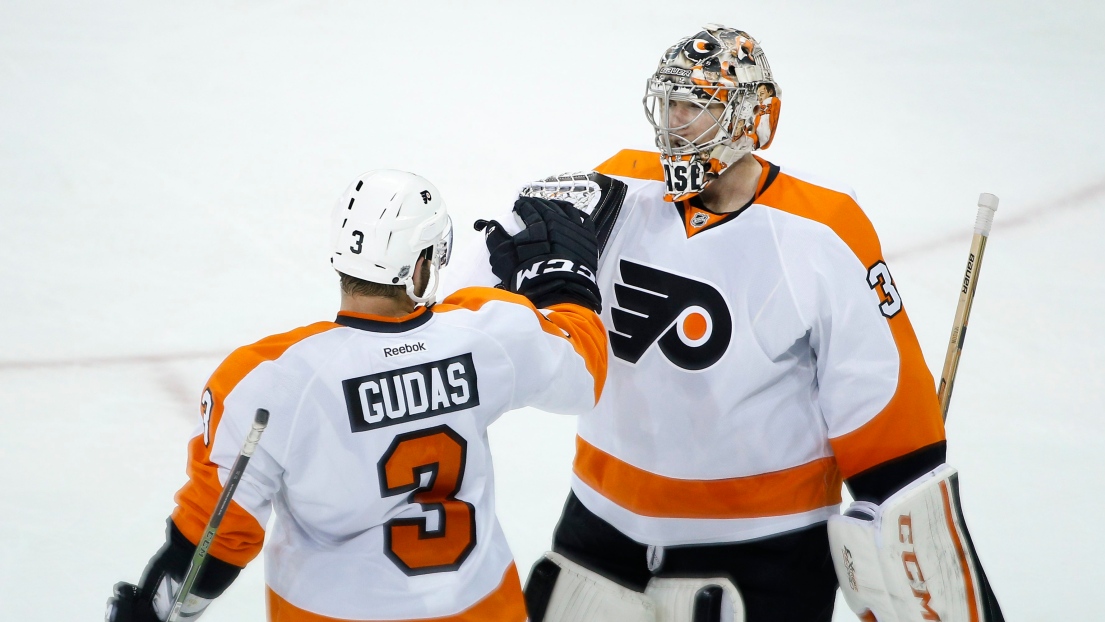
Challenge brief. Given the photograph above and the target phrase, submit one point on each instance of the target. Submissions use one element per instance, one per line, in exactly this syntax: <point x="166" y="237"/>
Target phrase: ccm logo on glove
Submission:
<point x="549" y="266"/>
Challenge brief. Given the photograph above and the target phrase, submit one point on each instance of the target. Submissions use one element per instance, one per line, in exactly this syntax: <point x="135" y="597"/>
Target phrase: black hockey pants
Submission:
<point x="784" y="578"/>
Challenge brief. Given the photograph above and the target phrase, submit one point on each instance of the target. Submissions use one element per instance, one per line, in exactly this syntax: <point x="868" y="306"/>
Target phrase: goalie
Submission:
<point x="761" y="356"/>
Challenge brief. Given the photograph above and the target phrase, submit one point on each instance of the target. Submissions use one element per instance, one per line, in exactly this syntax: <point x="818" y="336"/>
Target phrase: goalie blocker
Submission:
<point x="910" y="558"/>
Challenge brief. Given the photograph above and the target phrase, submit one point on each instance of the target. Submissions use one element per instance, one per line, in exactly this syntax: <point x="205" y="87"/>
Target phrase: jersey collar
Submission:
<point x="383" y="323"/>
<point x="696" y="218"/>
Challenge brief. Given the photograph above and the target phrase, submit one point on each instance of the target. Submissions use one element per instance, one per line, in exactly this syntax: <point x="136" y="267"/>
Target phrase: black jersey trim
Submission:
<point x="605" y="215"/>
<point x="377" y="326"/>
<point x="772" y="173"/>
<point x="879" y="482"/>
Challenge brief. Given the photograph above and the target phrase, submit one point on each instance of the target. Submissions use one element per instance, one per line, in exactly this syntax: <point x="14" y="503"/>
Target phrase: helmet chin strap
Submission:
<point x="428" y="297"/>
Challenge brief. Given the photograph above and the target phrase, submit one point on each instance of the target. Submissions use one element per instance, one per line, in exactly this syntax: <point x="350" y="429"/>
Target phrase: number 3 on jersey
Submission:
<point x="878" y="275"/>
<point x="441" y="452"/>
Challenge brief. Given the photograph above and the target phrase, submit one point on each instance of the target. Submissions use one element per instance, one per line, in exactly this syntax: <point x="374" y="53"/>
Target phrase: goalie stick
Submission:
<point x="260" y="420"/>
<point x="987" y="205"/>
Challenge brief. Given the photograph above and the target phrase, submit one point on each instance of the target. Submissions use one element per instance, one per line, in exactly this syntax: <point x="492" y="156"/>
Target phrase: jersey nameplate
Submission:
<point x="410" y="393"/>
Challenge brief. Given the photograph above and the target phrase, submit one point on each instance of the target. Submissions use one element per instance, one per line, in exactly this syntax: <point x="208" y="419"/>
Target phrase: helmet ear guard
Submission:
<point x="719" y="66"/>
<point x="438" y="255"/>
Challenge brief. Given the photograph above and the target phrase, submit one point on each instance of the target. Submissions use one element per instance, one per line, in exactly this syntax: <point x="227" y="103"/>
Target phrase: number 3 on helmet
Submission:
<point x="383" y="222"/>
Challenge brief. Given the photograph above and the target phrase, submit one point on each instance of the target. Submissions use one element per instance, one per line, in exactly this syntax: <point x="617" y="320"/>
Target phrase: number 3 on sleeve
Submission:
<point x="879" y="276"/>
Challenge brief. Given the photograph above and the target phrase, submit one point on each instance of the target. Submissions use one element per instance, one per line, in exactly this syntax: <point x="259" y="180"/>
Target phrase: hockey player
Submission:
<point x="761" y="356"/>
<point x="375" y="458"/>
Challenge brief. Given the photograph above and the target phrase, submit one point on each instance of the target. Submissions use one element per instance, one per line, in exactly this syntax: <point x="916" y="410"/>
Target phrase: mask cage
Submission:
<point x="660" y="93"/>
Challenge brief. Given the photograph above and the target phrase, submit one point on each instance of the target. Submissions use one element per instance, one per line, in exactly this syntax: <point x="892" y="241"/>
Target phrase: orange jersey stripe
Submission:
<point x="911" y="420"/>
<point x="811" y="486"/>
<point x="635" y="164"/>
<point x="505" y="604"/>
<point x="585" y="331"/>
<point x="240" y="537"/>
<point x="579" y="325"/>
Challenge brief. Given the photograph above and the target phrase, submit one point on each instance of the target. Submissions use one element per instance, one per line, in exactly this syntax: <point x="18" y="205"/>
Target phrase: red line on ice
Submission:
<point x="1078" y="199"/>
<point x="111" y="360"/>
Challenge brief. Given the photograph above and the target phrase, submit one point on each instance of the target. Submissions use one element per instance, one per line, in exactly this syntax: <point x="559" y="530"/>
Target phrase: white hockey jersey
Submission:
<point x="757" y="358"/>
<point x="375" y="460"/>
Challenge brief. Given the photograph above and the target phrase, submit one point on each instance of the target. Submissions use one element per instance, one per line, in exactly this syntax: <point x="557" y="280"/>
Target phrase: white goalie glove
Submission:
<point x="580" y="189"/>
<point x="909" y="559"/>
<point x="592" y="193"/>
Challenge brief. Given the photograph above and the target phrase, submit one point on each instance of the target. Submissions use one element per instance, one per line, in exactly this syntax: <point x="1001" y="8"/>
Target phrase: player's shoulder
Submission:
<point x="247" y="359"/>
<point x="812" y="195"/>
<point x="502" y="315"/>
<point x="633" y="164"/>
<point x="826" y="202"/>
<point x="473" y="303"/>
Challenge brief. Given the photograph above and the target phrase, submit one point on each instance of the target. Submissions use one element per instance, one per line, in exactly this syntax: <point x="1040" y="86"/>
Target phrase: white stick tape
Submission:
<point x="987" y="205"/>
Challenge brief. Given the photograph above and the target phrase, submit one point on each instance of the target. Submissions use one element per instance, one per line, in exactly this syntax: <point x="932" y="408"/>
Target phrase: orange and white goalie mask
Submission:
<point x="711" y="100"/>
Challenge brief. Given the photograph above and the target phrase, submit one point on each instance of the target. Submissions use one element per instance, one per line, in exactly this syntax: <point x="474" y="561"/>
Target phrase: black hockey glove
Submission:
<point x="151" y="599"/>
<point x="553" y="259"/>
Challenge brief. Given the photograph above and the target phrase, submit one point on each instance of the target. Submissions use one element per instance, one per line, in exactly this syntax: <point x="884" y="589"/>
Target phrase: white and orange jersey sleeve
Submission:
<point x="554" y="351"/>
<point x="875" y="391"/>
<point x="226" y="417"/>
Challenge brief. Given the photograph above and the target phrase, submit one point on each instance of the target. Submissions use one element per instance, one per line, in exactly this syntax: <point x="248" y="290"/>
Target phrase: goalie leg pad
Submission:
<point x="560" y="590"/>
<point x="909" y="559"/>
<point x="696" y="600"/>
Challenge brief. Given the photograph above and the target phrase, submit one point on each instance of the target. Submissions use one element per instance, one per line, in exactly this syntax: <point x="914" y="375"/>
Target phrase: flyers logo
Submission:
<point x="688" y="319"/>
<point x="702" y="46"/>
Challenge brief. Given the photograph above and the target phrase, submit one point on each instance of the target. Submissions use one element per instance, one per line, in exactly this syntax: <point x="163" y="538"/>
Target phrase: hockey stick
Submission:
<point x="260" y="420"/>
<point x="987" y="205"/>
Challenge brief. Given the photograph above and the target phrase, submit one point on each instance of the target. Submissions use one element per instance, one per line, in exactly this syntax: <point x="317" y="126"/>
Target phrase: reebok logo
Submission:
<point x="550" y="266"/>
<point x="406" y="348"/>
<point x="688" y="319"/>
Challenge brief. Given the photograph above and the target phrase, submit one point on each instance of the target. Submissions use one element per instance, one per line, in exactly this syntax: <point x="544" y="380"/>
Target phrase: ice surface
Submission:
<point x="166" y="170"/>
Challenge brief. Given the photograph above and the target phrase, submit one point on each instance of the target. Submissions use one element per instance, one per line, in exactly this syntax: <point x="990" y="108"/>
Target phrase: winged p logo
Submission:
<point x="688" y="319"/>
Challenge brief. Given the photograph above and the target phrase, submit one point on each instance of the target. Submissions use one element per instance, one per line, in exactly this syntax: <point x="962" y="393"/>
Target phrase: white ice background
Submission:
<point x="167" y="169"/>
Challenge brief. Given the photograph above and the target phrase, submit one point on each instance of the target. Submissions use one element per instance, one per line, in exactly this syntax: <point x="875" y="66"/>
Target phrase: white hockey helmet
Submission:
<point x="720" y="71"/>
<point x="383" y="222"/>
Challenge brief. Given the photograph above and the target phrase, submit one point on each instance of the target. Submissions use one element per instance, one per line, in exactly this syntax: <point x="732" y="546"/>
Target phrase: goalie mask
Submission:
<point x="711" y="100"/>
<point x="383" y="223"/>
